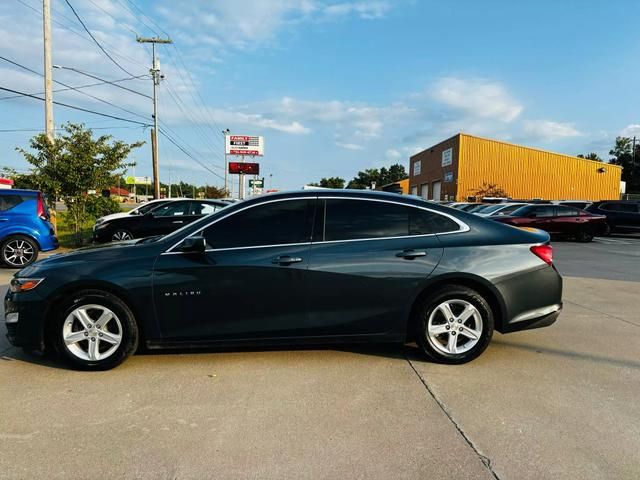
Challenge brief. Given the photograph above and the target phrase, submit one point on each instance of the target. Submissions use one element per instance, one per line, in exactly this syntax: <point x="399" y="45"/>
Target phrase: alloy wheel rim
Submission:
<point x="454" y="327"/>
<point x="121" y="235"/>
<point x="18" y="252"/>
<point x="92" y="332"/>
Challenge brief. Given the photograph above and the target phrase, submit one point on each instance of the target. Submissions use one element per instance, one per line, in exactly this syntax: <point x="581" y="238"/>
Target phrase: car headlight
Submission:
<point x="99" y="221"/>
<point x="99" y="226"/>
<point x="24" y="284"/>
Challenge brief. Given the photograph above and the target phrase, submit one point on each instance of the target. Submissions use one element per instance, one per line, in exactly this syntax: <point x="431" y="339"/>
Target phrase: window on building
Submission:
<point x="417" y="167"/>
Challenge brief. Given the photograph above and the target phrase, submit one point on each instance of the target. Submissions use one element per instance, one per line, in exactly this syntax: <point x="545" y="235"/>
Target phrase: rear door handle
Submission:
<point x="4" y="219"/>
<point x="411" y="254"/>
<point x="286" y="260"/>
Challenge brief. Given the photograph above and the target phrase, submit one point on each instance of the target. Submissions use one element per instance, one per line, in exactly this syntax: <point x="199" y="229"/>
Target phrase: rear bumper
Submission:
<point x="538" y="319"/>
<point x="532" y="299"/>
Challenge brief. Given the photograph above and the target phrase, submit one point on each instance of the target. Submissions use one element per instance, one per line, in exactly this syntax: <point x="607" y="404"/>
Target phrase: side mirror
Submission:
<point x="193" y="245"/>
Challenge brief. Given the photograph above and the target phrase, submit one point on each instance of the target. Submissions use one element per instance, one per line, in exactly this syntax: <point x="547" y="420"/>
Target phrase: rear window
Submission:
<point x="7" y="202"/>
<point x="619" y="207"/>
<point x="567" y="212"/>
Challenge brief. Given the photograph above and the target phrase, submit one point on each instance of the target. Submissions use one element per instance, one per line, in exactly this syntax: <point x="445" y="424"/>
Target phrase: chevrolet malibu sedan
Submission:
<point x="308" y="267"/>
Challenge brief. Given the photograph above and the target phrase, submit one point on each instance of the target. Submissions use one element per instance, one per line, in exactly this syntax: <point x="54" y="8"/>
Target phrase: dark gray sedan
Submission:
<point x="310" y="267"/>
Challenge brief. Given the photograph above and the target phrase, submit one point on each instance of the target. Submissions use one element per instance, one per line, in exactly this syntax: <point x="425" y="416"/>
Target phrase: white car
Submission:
<point x="139" y="210"/>
<point x="498" y="209"/>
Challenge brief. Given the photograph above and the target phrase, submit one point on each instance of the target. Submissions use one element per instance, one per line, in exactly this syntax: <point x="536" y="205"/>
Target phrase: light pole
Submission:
<point x="226" y="165"/>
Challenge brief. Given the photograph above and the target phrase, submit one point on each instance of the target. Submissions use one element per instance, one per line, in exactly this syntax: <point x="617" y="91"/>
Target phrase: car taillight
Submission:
<point x="40" y="208"/>
<point x="544" y="252"/>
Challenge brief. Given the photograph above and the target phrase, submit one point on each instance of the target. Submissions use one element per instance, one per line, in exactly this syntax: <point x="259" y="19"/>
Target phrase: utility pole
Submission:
<point x="226" y="165"/>
<point x="156" y="77"/>
<point x="48" y="81"/>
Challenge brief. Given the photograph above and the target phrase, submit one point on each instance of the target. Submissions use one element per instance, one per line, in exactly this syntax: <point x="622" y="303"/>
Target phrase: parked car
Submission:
<point x="498" y="209"/>
<point x="466" y="206"/>
<point x="622" y="215"/>
<point x="581" y="204"/>
<point x="314" y="266"/>
<point x="139" y="210"/>
<point x="25" y="229"/>
<point x="162" y="219"/>
<point x="557" y="220"/>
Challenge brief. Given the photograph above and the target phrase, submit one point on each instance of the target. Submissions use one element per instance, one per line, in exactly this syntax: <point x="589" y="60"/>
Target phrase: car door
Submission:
<point x="542" y="217"/>
<point x="367" y="261"/>
<point x="249" y="284"/>
<point x="567" y="220"/>
<point x="167" y="218"/>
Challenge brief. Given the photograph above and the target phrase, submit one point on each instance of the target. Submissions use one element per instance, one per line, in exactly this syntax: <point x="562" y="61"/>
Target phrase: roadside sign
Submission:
<point x="130" y="180"/>
<point x="259" y="183"/>
<point x="246" y="168"/>
<point x="244" y="145"/>
<point x="448" y="177"/>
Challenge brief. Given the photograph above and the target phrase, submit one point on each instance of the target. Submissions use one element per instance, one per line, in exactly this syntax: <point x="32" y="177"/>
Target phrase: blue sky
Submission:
<point x="335" y="86"/>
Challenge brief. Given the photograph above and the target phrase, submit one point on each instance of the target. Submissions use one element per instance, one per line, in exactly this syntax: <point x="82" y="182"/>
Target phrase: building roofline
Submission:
<point x="432" y="146"/>
<point x="462" y="134"/>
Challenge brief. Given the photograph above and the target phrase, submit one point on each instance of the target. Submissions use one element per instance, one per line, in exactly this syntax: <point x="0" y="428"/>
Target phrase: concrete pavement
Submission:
<point x="559" y="402"/>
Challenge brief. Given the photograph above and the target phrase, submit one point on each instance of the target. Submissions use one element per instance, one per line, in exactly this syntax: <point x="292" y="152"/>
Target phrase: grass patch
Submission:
<point x="66" y="233"/>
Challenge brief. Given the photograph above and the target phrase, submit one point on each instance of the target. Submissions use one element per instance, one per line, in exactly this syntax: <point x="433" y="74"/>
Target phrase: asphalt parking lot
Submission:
<point x="559" y="402"/>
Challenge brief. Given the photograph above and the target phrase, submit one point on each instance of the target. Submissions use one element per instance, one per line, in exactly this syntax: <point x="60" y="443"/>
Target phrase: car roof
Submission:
<point x="19" y="191"/>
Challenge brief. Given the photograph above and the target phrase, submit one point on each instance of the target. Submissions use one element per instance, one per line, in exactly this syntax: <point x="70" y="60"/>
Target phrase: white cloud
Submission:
<point x="393" y="154"/>
<point x="632" y="130"/>
<point x="548" y="130"/>
<point x="477" y="97"/>
<point x="250" y="23"/>
<point x="350" y="146"/>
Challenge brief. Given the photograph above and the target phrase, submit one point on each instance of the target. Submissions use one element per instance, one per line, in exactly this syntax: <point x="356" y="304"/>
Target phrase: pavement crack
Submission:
<point x="483" y="458"/>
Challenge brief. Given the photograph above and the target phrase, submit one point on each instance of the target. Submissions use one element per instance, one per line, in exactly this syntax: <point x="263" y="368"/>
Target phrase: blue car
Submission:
<point x="24" y="227"/>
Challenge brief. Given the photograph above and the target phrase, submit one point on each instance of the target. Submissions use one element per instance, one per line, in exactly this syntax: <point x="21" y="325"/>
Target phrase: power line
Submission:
<point x="75" y="89"/>
<point x="96" y="41"/>
<point x="62" y="129"/>
<point x="76" y="108"/>
<point x="58" y="90"/>
<point x="188" y="154"/>
<point x="108" y="81"/>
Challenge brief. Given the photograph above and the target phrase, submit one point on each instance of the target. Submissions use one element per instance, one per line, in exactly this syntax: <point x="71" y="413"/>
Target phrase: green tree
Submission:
<point x="384" y="176"/>
<point x="75" y="163"/>
<point x="330" y="182"/>
<point x="591" y="156"/>
<point x="21" y="180"/>
<point x="622" y="154"/>
<point x="214" y="192"/>
<point x="490" y="190"/>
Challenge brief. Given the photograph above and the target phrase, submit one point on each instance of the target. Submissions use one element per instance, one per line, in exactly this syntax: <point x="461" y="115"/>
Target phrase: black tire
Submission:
<point x="19" y="248"/>
<point x="453" y="293"/>
<point x="585" y="235"/>
<point x="124" y="323"/>
<point x="118" y="235"/>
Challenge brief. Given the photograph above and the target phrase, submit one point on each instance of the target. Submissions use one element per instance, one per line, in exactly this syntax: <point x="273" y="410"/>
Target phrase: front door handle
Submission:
<point x="4" y="219"/>
<point x="178" y="221"/>
<point x="286" y="260"/>
<point x="411" y="254"/>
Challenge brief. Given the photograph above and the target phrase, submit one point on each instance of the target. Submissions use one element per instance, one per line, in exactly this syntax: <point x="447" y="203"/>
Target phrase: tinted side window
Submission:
<point x="172" y="209"/>
<point x="627" y="207"/>
<point x="567" y="212"/>
<point x="273" y="223"/>
<point x="543" y="211"/>
<point x="422" y="222"/>
<point x="7" y="202"/>
<point x="203" y="208"/>
<point x="356" y="219"/>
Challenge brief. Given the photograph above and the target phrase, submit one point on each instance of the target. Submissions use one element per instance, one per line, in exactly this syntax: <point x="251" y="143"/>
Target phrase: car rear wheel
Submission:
<point x="584" y="236"/>
<point x="19" y="251"/>
<point x="121" y="235"/>
<point x="95" y="331"/>
<point x="455" y="324"/>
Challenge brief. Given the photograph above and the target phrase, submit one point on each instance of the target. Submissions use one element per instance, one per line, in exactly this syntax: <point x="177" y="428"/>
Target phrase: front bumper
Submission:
<point x="30" y="310"/>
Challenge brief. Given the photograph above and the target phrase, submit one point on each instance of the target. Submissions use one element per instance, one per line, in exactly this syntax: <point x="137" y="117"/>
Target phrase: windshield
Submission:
<point x="147" y="207"/>
<point x="490" y="208"/>
<point x="520" y="212"/>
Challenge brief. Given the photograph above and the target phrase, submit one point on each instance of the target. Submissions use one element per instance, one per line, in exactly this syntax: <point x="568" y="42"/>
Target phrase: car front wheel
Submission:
<point x="95" y="331"/>
<point x="121" y="235"/>
<point x="455" y="324"/>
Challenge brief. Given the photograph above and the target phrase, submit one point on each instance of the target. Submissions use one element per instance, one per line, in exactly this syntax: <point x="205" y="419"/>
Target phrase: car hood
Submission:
<point x="112" y="216"/>
<point x="115" y="251"/>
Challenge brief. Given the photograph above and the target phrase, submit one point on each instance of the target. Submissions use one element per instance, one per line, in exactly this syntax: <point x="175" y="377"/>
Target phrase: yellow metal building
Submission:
<point x="457" y="167"/>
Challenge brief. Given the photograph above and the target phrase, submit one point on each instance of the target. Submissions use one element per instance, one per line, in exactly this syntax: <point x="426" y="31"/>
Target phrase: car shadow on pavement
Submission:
<point x="569" y="354"/>
<point x="393" y="351"/>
